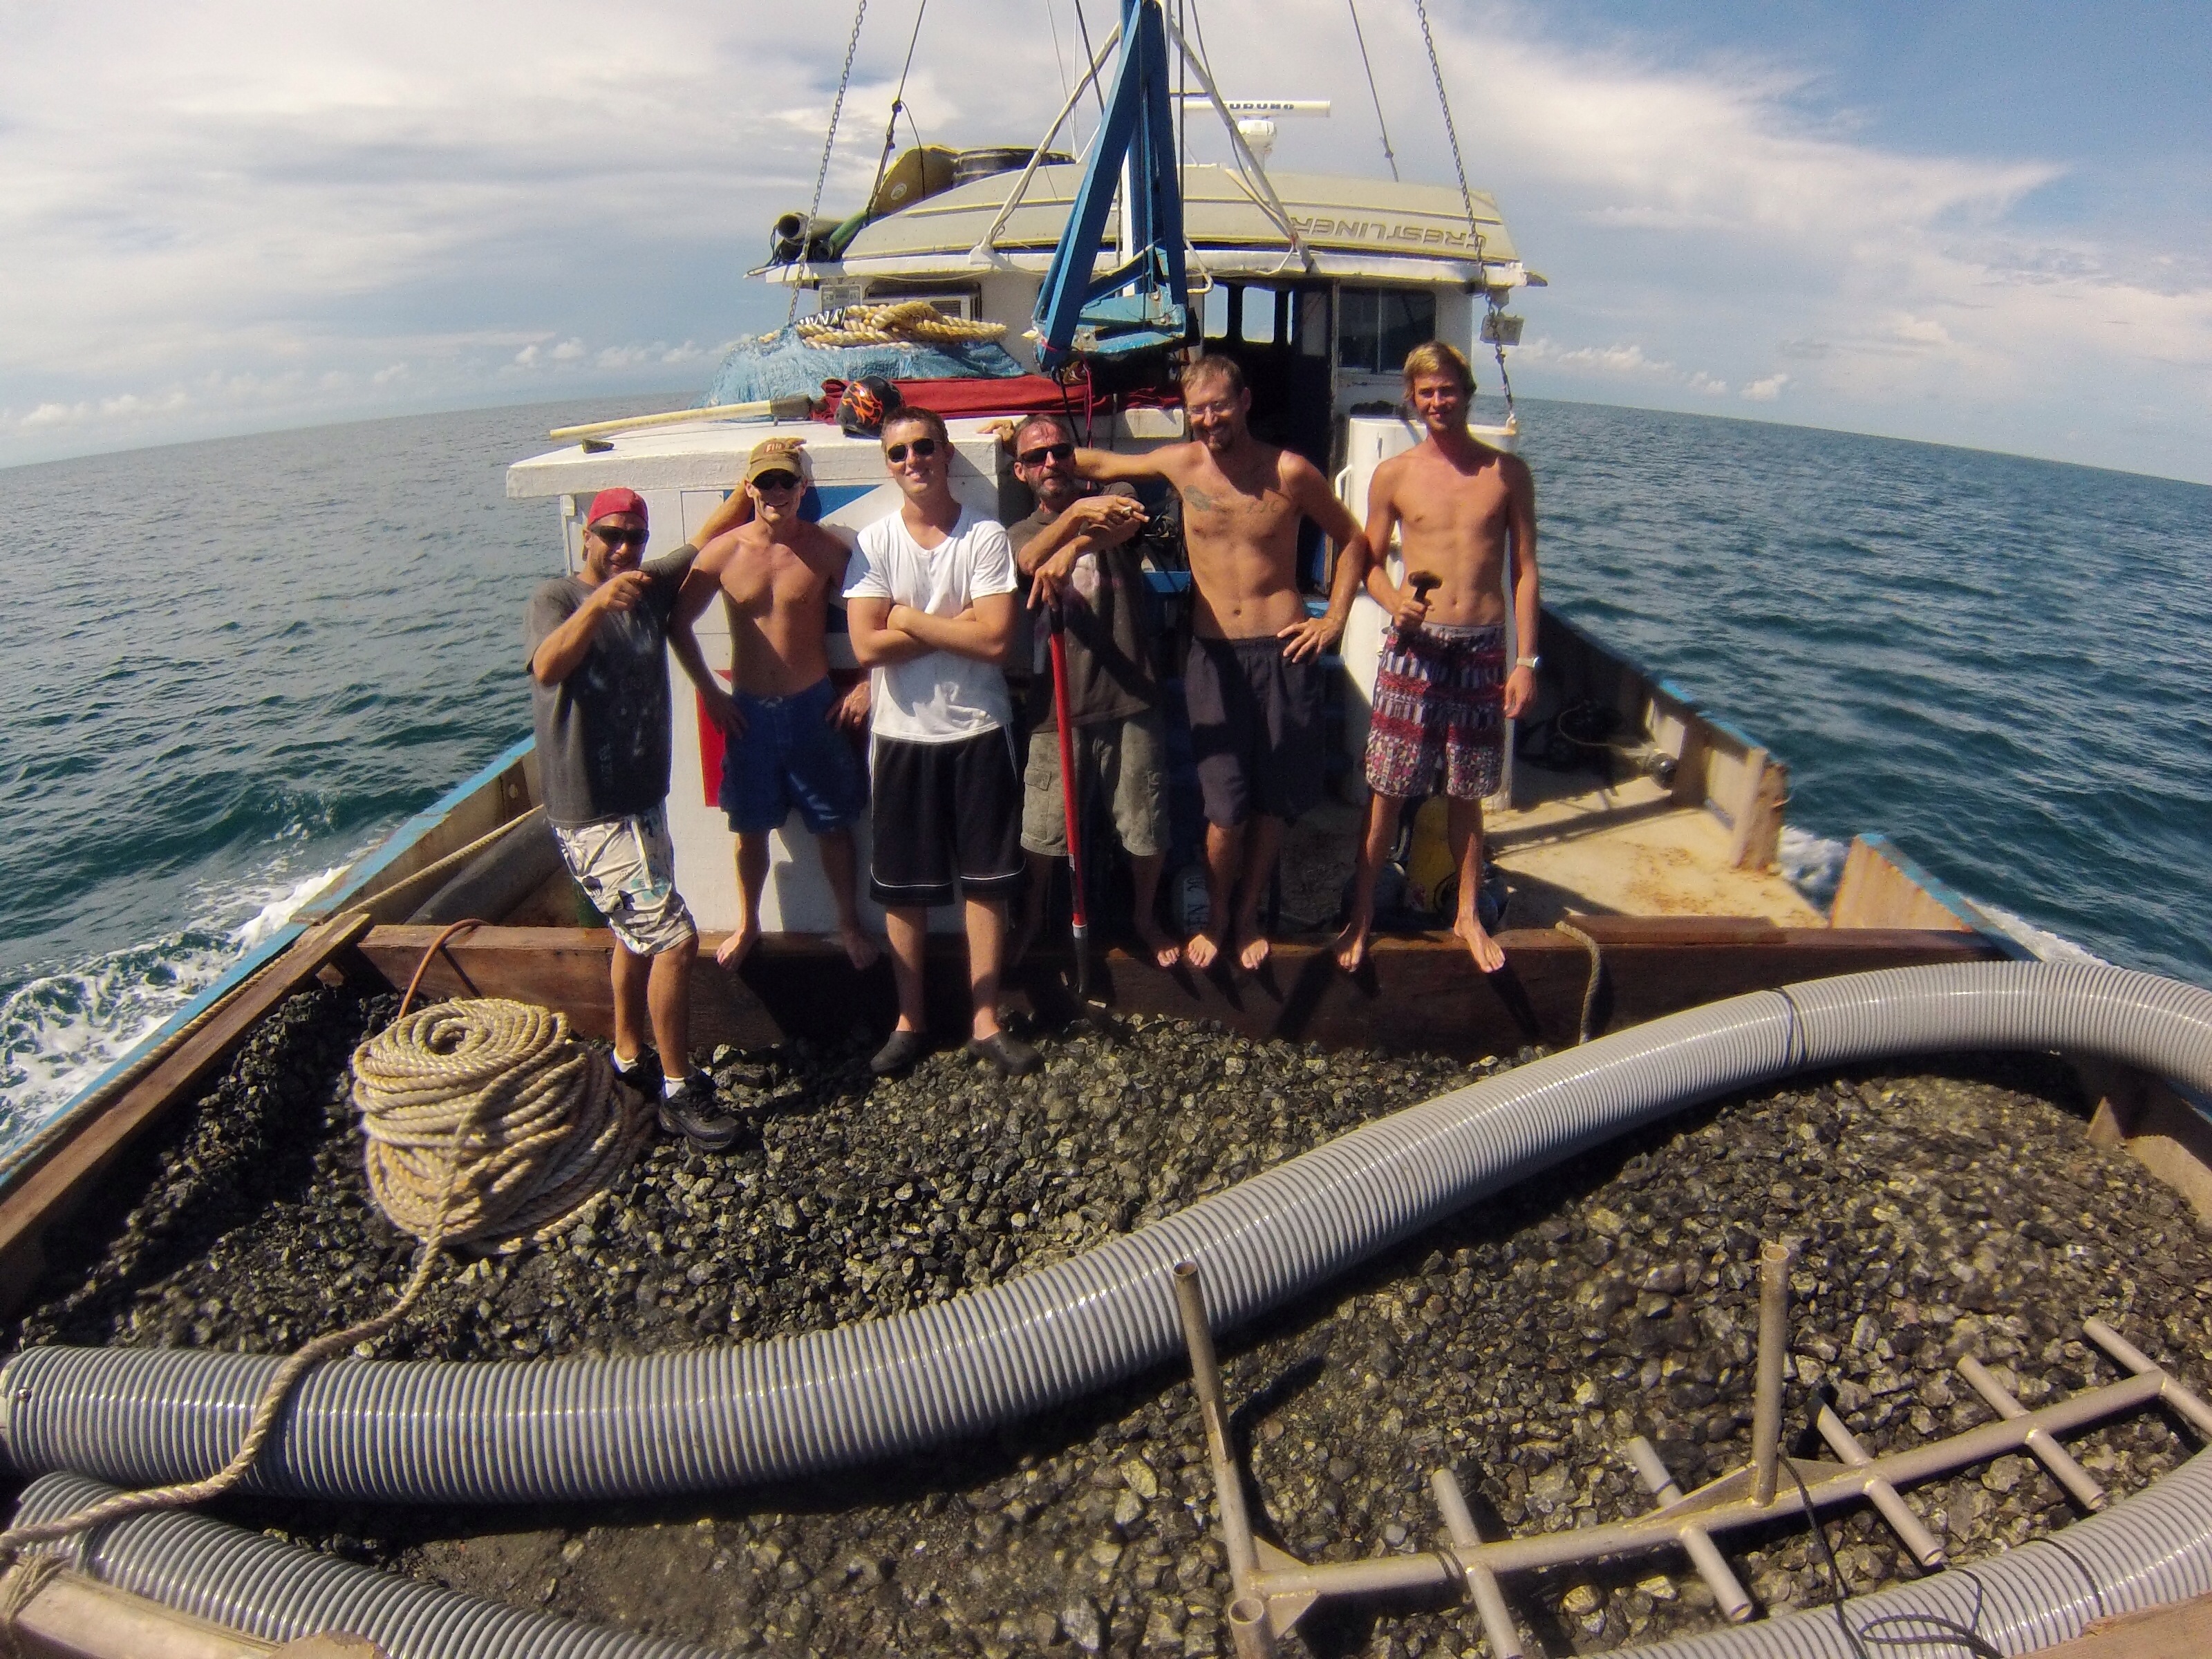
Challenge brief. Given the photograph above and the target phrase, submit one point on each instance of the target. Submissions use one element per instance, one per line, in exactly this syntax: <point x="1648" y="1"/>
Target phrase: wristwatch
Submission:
<point x="1528" y="662"/>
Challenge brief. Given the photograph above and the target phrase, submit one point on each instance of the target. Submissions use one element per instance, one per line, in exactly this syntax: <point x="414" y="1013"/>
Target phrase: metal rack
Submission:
<point x="1273" y="1589"/>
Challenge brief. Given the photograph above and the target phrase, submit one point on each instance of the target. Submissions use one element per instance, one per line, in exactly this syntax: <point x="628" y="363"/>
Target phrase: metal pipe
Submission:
<point x="2178" y="1398"/>
<point x="1643" y="1458"/>
<point x="1775" y="1261"/>
<point x="1374" y="1574"/>
<point x="1497" y="1627"/>
<point x="1716" y="1512"/>
<point x="2053" y="1455"/>
<point x="1712" y="1567"/>
<point x="1254" y="1636"/>
<point x="1885" y="1498"/>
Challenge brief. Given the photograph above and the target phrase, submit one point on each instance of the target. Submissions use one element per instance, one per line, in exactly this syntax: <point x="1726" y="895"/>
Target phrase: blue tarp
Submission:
<point x="782" y="365"/>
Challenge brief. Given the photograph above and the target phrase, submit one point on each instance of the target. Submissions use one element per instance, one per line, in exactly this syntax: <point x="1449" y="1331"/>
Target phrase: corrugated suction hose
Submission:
<point x="277" y="1592"/>
<point x="510" y="1431"/>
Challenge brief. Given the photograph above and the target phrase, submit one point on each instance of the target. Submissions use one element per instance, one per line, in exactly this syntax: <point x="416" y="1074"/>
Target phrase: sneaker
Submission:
<point x="900" y="1051"/>
<point x="643" y="1074"/>
<point x="1013" y="1056"/>
<point x="690" y="1110"/>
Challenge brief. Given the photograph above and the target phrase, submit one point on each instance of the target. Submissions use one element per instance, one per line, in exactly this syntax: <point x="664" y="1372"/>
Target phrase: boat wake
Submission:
<point x="60" y="1030"/>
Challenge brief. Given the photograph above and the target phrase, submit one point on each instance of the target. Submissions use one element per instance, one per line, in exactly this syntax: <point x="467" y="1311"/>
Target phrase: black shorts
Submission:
<point x="1256" y="729"/>
<point x="942" y="810"/>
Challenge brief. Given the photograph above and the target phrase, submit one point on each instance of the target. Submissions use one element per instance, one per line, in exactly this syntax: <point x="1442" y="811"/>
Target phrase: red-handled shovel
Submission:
<point x="1069" y="796"/>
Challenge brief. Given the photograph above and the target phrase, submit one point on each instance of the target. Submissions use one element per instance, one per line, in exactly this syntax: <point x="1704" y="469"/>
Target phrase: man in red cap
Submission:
<point x="600" y="698"/>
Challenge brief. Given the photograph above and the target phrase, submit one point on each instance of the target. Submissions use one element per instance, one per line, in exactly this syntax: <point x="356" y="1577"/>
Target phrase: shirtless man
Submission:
<point x="787" y="722"/>
<point x="1253" y="680"/>
<point x="1444" y="701"/>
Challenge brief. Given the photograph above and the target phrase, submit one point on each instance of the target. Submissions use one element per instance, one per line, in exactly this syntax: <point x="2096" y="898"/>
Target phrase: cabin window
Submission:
<point x="1258" y="323"/>
<point x="1376" y="327"/>
<point x="1313" y="322"/>
<point x="1217" y="311"/>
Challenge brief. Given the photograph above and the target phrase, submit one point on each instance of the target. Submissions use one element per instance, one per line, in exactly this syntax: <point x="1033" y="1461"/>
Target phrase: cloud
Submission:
<point x="461" y="201"/>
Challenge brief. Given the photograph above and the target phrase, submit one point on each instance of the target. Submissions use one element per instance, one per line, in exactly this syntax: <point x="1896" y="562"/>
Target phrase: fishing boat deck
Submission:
<point x="1581" y="846"/>
<point x="1578" y="847"/>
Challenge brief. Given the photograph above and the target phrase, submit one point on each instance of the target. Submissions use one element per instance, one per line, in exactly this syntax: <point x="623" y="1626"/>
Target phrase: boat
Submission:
<point x="1637" y="834"/>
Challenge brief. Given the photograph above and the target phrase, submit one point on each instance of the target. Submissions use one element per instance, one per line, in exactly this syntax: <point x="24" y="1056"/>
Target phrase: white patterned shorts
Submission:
<point x="627" y="868"/>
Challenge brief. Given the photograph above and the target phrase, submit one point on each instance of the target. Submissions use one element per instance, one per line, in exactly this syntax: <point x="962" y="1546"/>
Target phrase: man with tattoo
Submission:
<point x="1253" y="679"/>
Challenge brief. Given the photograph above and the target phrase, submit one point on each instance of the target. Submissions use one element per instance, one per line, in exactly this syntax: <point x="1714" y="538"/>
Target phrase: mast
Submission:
<point x="1145" y="300"/>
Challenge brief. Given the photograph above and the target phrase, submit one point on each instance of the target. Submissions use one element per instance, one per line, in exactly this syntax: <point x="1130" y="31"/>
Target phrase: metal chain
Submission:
<point x="1467" y="196"/>
<point x="829" y="143"/>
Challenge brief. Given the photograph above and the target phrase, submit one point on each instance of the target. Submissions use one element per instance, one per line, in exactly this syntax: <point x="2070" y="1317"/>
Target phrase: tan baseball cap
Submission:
<point x="779" y="455"/>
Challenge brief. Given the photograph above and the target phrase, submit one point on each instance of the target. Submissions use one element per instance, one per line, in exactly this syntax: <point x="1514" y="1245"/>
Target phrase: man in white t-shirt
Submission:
<point x="932" y="613"/>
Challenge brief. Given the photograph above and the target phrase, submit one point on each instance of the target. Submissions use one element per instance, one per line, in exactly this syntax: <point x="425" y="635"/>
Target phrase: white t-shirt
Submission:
<point x="939" y="696"/>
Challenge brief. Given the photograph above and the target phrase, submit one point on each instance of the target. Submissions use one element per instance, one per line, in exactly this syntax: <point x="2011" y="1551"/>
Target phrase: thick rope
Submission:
<point x="891" y="325"/>
<point x="486" y="1124"/>
<point x="532" y="1121"/>
<point x="19" y="1590"/>
<point x="1587" y="1028"/>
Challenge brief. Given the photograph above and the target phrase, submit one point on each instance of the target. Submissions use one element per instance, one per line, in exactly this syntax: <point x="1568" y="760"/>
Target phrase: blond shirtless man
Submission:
<point x="787" y="722"/>
<point x="1443" y="698"/>
<point x="1253" y="680"/>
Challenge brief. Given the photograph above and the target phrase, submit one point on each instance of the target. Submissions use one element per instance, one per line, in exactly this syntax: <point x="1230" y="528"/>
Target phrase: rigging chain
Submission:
<point x="829" y="143"/>
<point x="1467" y="196"/>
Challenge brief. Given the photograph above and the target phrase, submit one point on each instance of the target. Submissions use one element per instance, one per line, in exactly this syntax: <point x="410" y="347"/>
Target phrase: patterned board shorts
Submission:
<point x="1439" y="713"/>
<point x="627" y="868"/>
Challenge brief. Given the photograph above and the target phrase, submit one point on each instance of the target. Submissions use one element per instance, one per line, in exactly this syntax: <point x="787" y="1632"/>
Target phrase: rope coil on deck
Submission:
<point x="493" y="1098"/>
<point x="487" y="1125"/>
<point x="890" y="324"/>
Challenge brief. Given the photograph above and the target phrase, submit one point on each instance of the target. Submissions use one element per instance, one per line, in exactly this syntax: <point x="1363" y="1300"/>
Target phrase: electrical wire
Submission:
<point x="898" y="103"/>
<point x="1359" y="36"/>
<point x="1091" y="57"/>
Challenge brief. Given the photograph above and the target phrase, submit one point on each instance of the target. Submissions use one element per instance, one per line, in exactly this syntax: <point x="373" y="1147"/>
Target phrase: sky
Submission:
<point x="1985" y="224"/>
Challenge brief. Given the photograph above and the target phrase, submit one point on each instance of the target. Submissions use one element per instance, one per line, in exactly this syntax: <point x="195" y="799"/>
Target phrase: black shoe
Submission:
<point x="643" y="1074"/>
<point x="1013" y="1056"/>
<point x="900" y="1051"/>
<point x="693" y="1113"/>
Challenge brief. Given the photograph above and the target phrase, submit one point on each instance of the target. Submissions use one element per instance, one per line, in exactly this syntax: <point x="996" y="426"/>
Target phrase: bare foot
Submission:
<point x="1352" y="946"/>
<point x="1202" y="952"/>
<point x="1165" y="951"/>
<point x="860" y="947"/>
<point x="1483" y="948"/>
<point x="1254" y="953"/>
<point x="739" y="945"/>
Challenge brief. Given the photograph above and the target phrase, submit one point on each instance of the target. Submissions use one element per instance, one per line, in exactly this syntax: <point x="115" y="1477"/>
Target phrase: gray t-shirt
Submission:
<point x="604" y="733"/>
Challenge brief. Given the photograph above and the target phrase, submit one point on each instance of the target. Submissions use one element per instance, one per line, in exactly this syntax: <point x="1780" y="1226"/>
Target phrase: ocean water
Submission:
<point x="229" y="668"/>
<point x="233" y="665"/>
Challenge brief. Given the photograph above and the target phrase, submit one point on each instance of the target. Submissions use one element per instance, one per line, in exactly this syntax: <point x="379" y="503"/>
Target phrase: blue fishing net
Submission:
<point x="782" y="365"/>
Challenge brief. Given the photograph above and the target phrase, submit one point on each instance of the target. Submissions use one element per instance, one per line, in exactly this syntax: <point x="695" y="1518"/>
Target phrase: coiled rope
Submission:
<point x="487" y="1125"/>
<point x="890" y="324"/>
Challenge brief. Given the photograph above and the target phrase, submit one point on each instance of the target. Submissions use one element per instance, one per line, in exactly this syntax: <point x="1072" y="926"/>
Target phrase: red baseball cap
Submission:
<point x="609" y="501"/>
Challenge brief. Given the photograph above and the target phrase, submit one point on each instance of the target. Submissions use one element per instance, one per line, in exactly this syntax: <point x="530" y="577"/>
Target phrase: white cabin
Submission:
<point x="1320" y="317"/>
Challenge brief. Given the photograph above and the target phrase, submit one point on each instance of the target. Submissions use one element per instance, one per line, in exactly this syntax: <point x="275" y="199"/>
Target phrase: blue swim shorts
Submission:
<point x="791" y="755"/>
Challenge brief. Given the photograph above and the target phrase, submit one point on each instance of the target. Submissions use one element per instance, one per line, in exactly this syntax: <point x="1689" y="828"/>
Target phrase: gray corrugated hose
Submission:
<point x="277" y="1592"/>
<point x="714" y="1419"/>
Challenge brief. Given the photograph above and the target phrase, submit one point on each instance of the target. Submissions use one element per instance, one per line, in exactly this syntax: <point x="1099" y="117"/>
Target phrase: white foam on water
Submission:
<point x="58" y="1032"/>
<point x="2041" y="942"/>
<point x="1812" y="864"/>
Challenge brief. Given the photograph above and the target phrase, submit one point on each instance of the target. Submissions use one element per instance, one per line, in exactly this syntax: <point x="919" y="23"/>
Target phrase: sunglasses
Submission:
<point x="777" y="480"/>
<point x="1047" y="453"/>
<point x="618" y="537"/>
<point x="923" y="448"/>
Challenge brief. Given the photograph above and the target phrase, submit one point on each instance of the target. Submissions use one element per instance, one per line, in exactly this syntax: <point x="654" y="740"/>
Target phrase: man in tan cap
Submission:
<point x="787" y="722"/>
